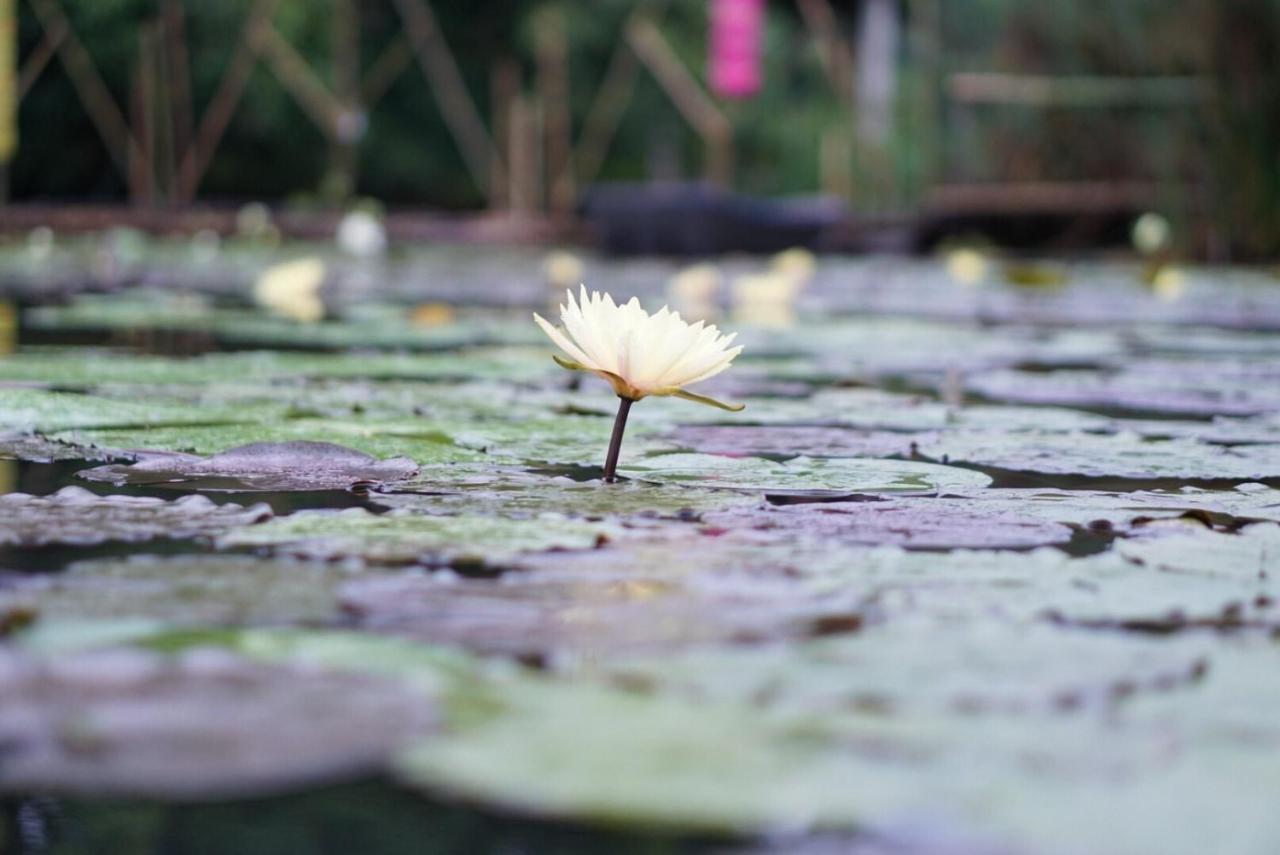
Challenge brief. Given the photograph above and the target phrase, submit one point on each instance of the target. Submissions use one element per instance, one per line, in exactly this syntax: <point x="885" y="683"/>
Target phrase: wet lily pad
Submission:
<point x="274" y="466"/>
<point x="420" y="441"/>
<point x="32" y="410"/>
<point x="560" y="617"/>
<point x="375" y="326"/>
<point x="792" y="441"/>
<point x="87" y="368"/>
<point x="1117" y="456"/>
<point x="1118" y="511"/>
<point x="400" y="537"/>
<point x="183" y="590"/>
<point x="42" y="450"/>
<point x="1181" y="388"/>
<point x="75" y="516"/>
<point x="923" y="524"/>
<point x="515" y="491"/>
<point x="801" y="474"/>
<point x="201" y="725"/>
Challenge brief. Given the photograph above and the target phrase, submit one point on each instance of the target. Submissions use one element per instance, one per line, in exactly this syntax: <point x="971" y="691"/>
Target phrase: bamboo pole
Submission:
<point x="8" y="83"/>
<point x="213" y="124"/>
<point x="344" y="148"/>
<point x="141" y="189"/>
<point x="176" y="64"/>
<point x="98" y="102"/>
<point x="553" y="90"/>
<point x="504" y="90"/>
<point x="308" y="91"/>
<point x="611" y="100"/>
<point x="460" y="114"/>
<point x="523" y="166"/>
<point x="833" y="50"/>
<point x="687" y="95"/>
<point x="385" y="69"/>
<point x="45" y="50"/>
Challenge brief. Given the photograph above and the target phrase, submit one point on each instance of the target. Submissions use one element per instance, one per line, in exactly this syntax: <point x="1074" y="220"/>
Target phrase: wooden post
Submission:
<point x="688" y="97"/>
<point x="524" y="158"/>
<point x="349" y="124"/>
<point x="610" y="102"/>
<point x="158" y="106"/>
<point x="102" y="108"/>
<point x="176" y="67"/>
<point x="217" y="115"/>
<point x="835" y="162"/>
<point x="833" y="49"/>
<point x="504" y="90"/>
<point x="925" y="44"/>
<point x="142" y="189"/>
<point x="389" y="65"/>
<point x="308" y="91"/>
<point x="553" y="89"/>
<point x="460" y="114"/>
<point x="8" y="85"/>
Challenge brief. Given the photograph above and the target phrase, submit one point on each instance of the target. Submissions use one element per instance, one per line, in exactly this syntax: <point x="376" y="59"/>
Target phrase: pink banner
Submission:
<point x="733" y="52"/>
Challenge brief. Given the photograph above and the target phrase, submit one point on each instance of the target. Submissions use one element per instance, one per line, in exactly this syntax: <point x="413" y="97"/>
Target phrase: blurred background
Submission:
<point x="653" y="126"/>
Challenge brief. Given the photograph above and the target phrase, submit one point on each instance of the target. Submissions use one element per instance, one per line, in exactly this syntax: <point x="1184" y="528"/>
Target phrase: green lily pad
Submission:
<point x="515" y="491"/>
<point x="34" y="410"/>
<point x="400" y="537"/>
<point x="802" y="474"/>
<point x="42" y="450"/>
<point x="1182" y="388"/>
<point x="88" y="368"/>
<point x="791" y="441"/>
<point x="373" y="326"/>
<point x="75" y="516"/>
<point x="269" y="466"/>
<point x="183" y="590"/>
<point x="418" y="441"/>
<point x="1119" y="511"/>
<point x="1119" y="456"/>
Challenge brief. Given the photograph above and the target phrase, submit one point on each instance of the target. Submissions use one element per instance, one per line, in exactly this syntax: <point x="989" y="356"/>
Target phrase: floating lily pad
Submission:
<point x="420" y="441"/>
<point x="873" y="409"/>
<point x="802" y="474"/>
<point x="923" y="524"/>
<point x="557" y="616"/>
<point x="183" y="590"/>
<point x="1118" y="511"/>
<point x="792" y="441"/>
<point x="515" y="491"/>
<point x="48" y="412"/>
<point x="274" y="466"/>
<point x="1118" y="456"/>
<point x="400" y="537"/>
<point x="87" y="368"/>
<point x="75" y="516"/>
<point x="205" y="724"/>
<point x="1197" y="389"/>
<point x="900" y="670"/>
<point x="41" y="450"/>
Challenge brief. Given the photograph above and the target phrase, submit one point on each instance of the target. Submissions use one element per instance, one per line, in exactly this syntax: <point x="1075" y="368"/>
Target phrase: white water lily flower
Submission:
<point x="638" y="353"/>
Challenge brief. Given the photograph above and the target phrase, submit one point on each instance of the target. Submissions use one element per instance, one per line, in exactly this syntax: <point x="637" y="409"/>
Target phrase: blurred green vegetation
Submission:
<point x="1225" y="147"/>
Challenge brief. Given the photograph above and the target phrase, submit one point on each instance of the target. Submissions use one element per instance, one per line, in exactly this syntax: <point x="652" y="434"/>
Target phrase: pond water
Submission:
<point x="982" y="567"/>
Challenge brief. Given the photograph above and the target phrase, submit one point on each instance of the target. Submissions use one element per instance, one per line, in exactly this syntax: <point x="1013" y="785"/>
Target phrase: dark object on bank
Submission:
<point x="700" y="219"/>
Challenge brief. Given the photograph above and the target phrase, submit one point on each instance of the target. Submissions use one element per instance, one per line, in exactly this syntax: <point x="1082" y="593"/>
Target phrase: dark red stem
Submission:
<point x="615" y="441"/>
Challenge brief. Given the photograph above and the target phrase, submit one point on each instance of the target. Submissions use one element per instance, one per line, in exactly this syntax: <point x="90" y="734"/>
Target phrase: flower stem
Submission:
<point x="615" y="441"/>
